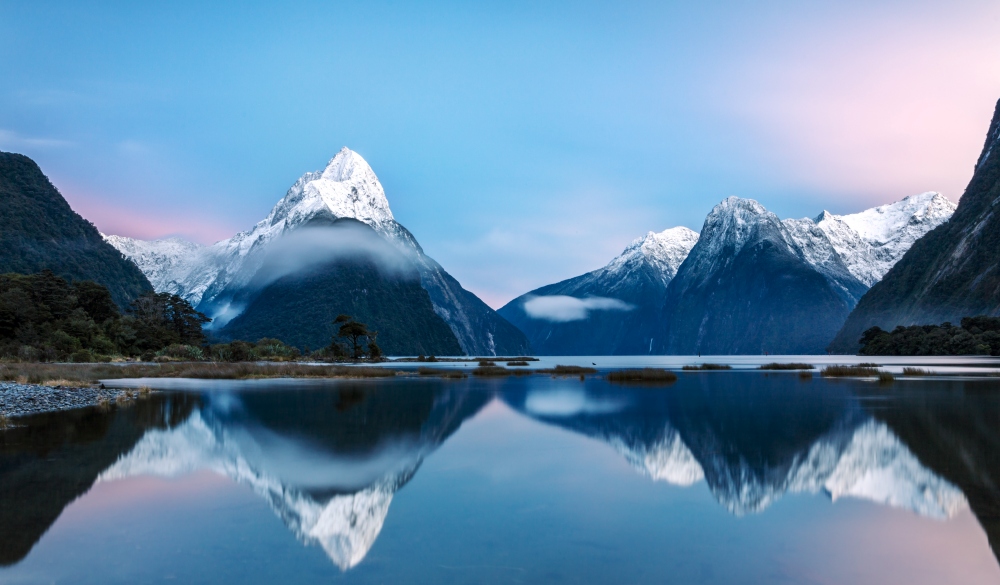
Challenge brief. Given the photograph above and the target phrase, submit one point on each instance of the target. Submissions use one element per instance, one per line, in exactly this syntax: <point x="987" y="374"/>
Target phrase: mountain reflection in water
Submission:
<point x="328" y="458"/>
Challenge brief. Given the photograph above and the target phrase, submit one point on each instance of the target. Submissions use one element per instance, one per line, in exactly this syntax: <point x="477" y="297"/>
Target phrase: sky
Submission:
<point x="521" y="142"/>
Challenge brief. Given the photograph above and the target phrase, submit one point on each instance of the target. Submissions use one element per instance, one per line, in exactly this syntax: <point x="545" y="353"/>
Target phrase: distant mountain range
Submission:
<point x="953" y="272"/>
<point x="749" y="283"/>
<point x="294" y="271"/>
<point x="39" y="231"/>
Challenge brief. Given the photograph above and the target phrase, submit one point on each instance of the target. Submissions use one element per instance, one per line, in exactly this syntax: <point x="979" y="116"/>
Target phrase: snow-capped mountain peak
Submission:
<point x="869" y="243"/>
<point x="665" y="251"/>
<point x="347" y="188"/>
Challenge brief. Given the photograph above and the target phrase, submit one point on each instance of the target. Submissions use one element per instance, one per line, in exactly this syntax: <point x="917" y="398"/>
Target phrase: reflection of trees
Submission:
<point x="56" y="458"/>
<point x="953" y="427"/>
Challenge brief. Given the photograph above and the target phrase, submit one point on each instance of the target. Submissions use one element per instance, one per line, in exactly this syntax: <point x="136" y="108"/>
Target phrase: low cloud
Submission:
<point x="313" y="247"/>
<point x="562" y="308"/>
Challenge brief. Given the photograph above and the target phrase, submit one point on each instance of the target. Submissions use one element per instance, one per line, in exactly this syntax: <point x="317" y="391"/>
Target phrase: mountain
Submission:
<point x="756" y="284"/>
<point x="793" y="275"/>
<point x="610" y="311"/>
<point x="41" y="232"/>
<point x="299" y="308"/>
<point x="220" y="280"/>
<point x="950" y="273"/>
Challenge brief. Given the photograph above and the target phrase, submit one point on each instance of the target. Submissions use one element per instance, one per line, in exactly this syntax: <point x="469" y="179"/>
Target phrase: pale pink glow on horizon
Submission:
<point x="113" y="218"/>
<point x="875" y="116"/>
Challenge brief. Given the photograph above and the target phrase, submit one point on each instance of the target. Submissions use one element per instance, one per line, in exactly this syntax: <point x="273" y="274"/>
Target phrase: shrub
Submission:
<point x="705" y="367"/>
<point x="182" y="352"/>
<point x="641" y="376"/>
<point x="849" y="371"/>
<point x="82" y="357"/>
<point x="777" y="366"/>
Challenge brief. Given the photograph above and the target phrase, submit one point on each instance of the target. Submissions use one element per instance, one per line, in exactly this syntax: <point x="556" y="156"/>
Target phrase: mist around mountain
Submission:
<point x="950" y="273"/>
<point x="42" y="232"/>
<point x="614" y="310"/>
<point x="225" y="279"/>
<point x="749" y="283"/>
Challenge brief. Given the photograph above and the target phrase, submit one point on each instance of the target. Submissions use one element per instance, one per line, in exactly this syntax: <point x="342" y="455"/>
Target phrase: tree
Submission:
<point x="353" y="332"/>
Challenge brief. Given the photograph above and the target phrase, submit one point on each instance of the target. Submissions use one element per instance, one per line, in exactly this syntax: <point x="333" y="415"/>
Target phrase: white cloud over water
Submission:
<point x="562" y="308"/>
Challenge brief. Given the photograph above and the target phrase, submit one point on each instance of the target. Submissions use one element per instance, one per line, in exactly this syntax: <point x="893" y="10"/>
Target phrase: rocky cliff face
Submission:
<point x="950" y="273"/>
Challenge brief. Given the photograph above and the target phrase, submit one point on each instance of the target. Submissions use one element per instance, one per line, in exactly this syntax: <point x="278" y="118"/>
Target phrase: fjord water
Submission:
<point x="721" y="477"/>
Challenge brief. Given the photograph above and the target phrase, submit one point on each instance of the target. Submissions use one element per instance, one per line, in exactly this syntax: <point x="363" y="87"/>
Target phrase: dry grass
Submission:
<point x="917" y="372"/>
<point x="103" y="404"/>
<point x="75" y="374"/>
<point x="442" y="373"/>
<point x="60" y="382"/>
<point x="568" y="371"/>
<point x="886" y="378"/>
<point x="642" y="376"/>
<point x="777" y="366"/>
<point x="863" y="370"/>
<point x="4" y="422"/>
<point x="706" y="367"/>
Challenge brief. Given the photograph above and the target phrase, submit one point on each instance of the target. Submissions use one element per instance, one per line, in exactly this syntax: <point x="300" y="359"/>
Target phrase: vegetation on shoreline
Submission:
<point x="706" y="367"/>
<point x="780" y="367"/>
<point x="642" y="376"/>
<point x="45" y="318"/>
<point x="861" y="370"/>
<point x="976" y="336"/>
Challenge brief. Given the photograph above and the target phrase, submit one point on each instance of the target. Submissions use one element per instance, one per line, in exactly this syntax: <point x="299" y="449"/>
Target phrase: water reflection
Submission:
<point x="751" y="438"/>
<point x="328" y="462"/>
<point x="329" y="458"/>
<point x="56" y="458"/>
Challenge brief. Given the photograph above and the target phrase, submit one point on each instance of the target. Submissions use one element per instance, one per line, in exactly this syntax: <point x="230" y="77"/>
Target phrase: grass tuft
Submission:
<point x="442" y="373"/>
<point x="805" y="375"/>
<point x="863" y="370"/>
<point x="517" y="363"/>
<point x="706" y="367"/>
<point x="642" y="376"/>
<point x="777" y="366"/>
<point x="886" y="378"/>
<point x="917" y="372"/>
<point x="4" y="422"/>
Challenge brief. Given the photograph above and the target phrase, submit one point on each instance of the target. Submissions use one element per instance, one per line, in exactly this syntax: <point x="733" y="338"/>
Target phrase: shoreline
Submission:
<point x="21" y="400"/>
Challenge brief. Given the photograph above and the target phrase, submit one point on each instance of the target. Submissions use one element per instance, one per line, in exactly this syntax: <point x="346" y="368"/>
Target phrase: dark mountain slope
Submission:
<point x="747" y="289"/>
<point x="950" y="273"/>
<point x="375" y="284"/>
<point x="40" y="231"/>
<point x="635" y="281"/>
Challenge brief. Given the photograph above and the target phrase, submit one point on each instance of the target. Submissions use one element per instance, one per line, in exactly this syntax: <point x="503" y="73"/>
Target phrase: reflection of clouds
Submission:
<point x="562" y="308"/>
<point x="569" y="402"/>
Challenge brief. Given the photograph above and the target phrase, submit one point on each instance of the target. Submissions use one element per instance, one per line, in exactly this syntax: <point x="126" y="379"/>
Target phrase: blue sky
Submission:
<point x="521" y="142"/>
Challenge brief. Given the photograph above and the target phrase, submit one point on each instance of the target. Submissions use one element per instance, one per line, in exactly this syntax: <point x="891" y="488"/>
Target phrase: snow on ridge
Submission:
<point x="665" y="251"/>
<point x="869" y="243"/>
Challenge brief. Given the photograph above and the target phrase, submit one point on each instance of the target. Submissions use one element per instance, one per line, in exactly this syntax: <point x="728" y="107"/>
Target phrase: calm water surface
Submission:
<point x="722" y="477"/>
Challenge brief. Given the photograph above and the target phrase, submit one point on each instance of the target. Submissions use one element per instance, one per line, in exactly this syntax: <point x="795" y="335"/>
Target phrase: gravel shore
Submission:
<point x="24" y="399"/>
